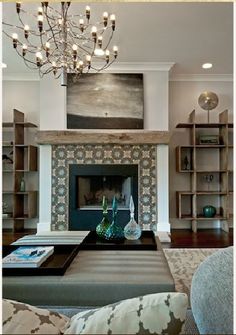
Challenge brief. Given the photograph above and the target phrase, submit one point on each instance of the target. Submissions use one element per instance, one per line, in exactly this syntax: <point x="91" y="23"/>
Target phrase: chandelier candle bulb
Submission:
<point x="74" y="47"/>
<point x="88" y="59"/>
<point x="24" y="48"/>
<point x="47" y="48"/>
<point x="100" y="41"/>
<point x="115" y="50"/>
<point x="81" y="25"/>
<point x="26" y="31"/>
<point x="18" y="7"/>
<point x="113" y="21"/>
<point x="38" y="58"/>
<point x="87" y="12"/>
<point x="40" y="23"/>
<point x="14" y="40"/>
<point x="94" y="33"/>
<point x="105" y="18"/>
<point x="80" y="66"/>
<point x="54" y="68"/>
<point x="40" y="11"/>
<point x="107" y="55"/>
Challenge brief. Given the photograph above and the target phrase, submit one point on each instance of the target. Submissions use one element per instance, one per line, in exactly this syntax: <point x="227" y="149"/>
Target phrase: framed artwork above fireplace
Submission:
<point x="105" y="101"/>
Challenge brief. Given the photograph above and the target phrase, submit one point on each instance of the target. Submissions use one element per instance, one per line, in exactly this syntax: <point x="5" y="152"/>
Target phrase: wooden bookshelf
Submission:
<point x="187" y="162"/>
<point x="22" y="203"/>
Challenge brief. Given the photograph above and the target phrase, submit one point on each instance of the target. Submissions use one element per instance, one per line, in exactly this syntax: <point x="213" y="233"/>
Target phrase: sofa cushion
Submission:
<point x="212" y="293"/>
<point x="161" y="313"/>
<point x="19" y="318"/>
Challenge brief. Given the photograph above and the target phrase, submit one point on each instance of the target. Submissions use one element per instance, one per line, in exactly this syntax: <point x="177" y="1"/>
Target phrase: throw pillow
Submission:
<point x="20" y="318"/>
<point x="160" y="313"/>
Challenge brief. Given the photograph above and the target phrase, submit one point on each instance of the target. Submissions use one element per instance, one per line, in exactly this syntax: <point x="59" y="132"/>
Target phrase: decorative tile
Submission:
<point x="143" y="155"/>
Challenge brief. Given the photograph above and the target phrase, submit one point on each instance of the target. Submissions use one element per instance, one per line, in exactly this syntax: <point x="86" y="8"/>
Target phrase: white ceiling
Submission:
<point x="187" y="34"/>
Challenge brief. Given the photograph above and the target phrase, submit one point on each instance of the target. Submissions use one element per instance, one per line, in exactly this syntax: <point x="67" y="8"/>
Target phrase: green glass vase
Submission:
<point x="114" y="231"/>
<point x="105" y="223"/>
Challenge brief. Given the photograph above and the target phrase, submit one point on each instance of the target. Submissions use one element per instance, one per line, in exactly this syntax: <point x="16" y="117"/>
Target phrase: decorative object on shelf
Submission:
<point x="186" y="163"/>
<point x="114" y="231"/>
<point x="209" y="139"/>
<point x="209" y="211"/>
<point x="208" y="101"/>
<point x="67" y="43"/>
<point x="132" y="230"/>
<point x="22" y="185"/>
<point x="4" y="207"/>
<point x="105" y="223"/>
<point x="209" y="178"/>
<point x="6" y="159"/>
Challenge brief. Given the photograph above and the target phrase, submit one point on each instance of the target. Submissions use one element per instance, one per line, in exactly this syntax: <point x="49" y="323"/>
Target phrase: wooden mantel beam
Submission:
<point x="102" y="137"/>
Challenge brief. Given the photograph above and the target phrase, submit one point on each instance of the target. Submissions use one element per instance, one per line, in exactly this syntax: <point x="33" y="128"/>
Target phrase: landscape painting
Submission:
<point x="105" y="101"/>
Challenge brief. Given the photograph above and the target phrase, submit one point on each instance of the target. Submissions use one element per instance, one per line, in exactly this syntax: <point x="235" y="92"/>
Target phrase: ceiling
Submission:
<point x="188" y="34"/>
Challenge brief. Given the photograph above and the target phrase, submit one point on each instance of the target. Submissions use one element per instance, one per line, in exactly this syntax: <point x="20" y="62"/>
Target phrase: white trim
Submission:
<point x="162" y="169"/>
<point x="140" y="66"/>
<point x="131" y="67"/>
<point x="45" y="185"/>
<point x="42" y="227"/>
<point x="201" y="77"/>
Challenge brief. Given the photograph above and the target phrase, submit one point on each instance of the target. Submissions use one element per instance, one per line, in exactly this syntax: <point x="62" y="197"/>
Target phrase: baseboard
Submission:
<point x="164" y="236"/>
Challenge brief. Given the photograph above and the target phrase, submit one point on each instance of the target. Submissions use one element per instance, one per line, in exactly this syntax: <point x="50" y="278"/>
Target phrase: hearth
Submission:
<point x="88" y="183"/>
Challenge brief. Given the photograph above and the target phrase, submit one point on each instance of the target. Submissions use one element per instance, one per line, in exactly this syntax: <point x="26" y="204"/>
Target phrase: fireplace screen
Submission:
<point x="91" y="190"/>
<point x="88" y="183"/>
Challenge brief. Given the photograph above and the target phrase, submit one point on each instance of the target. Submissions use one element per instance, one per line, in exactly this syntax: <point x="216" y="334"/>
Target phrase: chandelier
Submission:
<point x="63" y="43"/>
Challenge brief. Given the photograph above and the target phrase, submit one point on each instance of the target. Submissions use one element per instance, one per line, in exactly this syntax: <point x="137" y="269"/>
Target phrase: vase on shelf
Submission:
<point x="132" y="230"/>
<point x="209" y="211"/>
<point x="114" y="232"/>
<point x="105" y="223"/>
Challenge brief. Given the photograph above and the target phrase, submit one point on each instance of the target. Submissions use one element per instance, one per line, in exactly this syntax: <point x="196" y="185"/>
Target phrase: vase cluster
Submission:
<point x="112" y="231"/>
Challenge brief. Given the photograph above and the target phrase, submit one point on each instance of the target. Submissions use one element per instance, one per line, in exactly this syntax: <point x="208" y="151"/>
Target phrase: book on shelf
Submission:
<point x="27" y="257"/>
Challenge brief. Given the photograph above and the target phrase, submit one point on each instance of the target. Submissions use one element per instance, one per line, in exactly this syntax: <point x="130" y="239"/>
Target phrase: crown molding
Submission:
<point x="202" y="77"/>
<point x="140" y="66"/>
<point x="134" y="67"/>
<point x="117" y="67"/>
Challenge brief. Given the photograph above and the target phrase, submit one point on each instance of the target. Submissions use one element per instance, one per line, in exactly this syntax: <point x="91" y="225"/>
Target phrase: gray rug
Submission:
<point x="183" y="263"/>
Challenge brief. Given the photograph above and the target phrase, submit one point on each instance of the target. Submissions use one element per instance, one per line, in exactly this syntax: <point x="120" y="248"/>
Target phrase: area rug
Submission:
<point x="183" y="263"/>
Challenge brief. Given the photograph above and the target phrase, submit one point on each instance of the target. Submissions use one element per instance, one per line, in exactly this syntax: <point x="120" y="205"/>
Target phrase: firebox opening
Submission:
<point x="87" y="185"/>
<point x="91" y="190"/>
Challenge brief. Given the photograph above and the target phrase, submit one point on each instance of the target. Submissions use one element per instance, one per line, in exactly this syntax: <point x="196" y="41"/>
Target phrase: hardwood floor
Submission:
<point x="205" y="238"/>
<point x="180" y="238"/>
<point x="10" y="237"/>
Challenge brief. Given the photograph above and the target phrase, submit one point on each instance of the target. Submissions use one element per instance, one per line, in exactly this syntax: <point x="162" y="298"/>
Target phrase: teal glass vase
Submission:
<point x="105" y="223"/>
<point x="209" y="211"/>
<point x="132" y="230"/>
<point x="114" y="231"/>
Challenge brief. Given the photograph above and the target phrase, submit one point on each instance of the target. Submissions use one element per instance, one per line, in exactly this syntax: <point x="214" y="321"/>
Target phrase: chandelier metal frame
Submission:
<point x="66" y="43"/>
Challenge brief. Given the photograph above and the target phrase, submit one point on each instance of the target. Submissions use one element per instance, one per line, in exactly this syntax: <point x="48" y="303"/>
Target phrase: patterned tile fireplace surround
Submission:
<point x="145" y="156"/>
<point x="147" y="149"/>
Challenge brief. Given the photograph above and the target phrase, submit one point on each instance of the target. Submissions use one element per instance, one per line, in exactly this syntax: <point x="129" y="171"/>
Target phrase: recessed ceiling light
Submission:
<point x="207" y="66"/>
<point x="4" y="65"/>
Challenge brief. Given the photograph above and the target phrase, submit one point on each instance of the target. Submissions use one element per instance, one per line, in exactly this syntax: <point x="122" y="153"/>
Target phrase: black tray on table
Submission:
<point x="147" y="241"/>
<point x="55" y="265"/>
